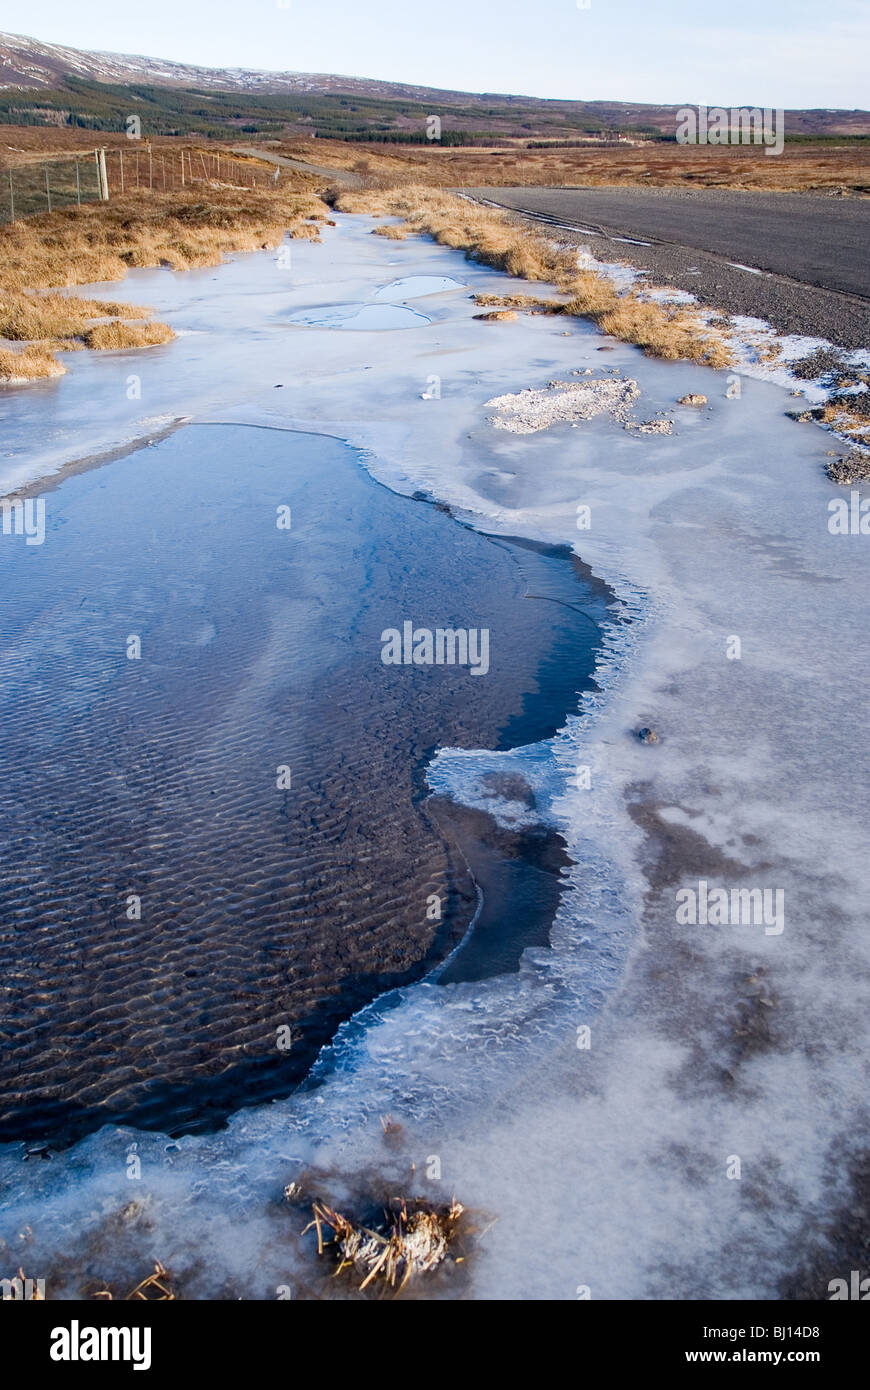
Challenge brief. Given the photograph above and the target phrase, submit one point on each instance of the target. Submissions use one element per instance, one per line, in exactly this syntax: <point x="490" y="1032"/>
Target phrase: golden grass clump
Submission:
<point x="34" y="363"/>
<point x="104" y="337"/>
<point x="664" y="331"/>
<point x="491" y="238"/>
<point x="26" y="317"/>
<point x="497" y="315"/>
<point x="393" y="231"/>
<point x="591" y="295"/>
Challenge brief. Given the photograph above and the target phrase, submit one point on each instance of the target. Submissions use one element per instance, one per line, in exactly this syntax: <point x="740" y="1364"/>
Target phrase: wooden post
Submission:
<point x="104" y="177"/>
<point x="137" y="168"/>
<point x="78" y="186"/>
<point x="150" y="167"/>
<point x="121" y="163"/>
<point x="47" y="188"/>
<point x="163" y="167"/>
<point x="11" y="195"/>
<point x="182" y="168"/>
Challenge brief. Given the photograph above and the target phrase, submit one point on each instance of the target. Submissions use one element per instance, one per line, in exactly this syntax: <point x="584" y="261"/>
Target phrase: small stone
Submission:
<point x="692" y="399"/>
<point x="647" y="735"/>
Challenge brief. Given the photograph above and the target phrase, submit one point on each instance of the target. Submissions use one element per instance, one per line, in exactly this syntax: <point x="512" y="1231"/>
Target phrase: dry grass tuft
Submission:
<point x="104" y="337"/>
<point x="497" y="315"/>
<point x="409" y="1243"/>
<point x="393" y="231"/>
<point x="26" y="317"/>
<point x="32" y="364"/>
<point x="663" y="330"/>
<point x="591" y="295"/>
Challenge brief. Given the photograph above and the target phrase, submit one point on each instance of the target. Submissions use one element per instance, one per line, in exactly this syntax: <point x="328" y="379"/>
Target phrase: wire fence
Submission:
<point x="44" y="185"/>
<point x="30" y="188"/>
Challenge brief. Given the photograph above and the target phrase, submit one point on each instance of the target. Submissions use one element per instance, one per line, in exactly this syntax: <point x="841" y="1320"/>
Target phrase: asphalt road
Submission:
<point x="812" y="252"/>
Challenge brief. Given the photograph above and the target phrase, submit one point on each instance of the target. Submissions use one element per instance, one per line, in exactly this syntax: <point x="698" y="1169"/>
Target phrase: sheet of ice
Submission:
<point x="606" y="1166"/>
<point x="359" y="317"/>
<point x="417" y="287"/>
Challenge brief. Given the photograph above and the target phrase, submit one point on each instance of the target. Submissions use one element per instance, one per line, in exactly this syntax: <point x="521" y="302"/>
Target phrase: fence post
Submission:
<point x="78" y="185"/>
<point x="104" y="177"/>
<point x="11" y="196"/>
<point x="47" y="188"/>
<point x="150" y="167"/>
<point x="121" y="160"/>
<point x="182" y="168"/>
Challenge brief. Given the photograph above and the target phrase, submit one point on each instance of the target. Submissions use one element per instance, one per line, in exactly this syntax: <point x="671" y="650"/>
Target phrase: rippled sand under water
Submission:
<point x="157" y="777"/>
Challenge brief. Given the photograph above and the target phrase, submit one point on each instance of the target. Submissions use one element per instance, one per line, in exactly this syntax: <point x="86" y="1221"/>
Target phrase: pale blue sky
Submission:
<point x="739" y="52"/>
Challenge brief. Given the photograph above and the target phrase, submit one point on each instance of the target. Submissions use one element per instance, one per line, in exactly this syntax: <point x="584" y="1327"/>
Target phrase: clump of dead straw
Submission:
<point x="409" y="1242"/>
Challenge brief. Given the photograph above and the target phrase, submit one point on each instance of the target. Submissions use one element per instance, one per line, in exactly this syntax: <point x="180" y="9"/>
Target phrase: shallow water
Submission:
<point x="156" y="777"/>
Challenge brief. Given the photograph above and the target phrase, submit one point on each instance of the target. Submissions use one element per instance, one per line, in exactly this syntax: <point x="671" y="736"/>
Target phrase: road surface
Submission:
<point x="812" y="252"/>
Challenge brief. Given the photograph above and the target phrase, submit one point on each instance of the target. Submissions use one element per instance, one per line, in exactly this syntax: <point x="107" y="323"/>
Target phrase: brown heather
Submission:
<point x="810" y="168"/>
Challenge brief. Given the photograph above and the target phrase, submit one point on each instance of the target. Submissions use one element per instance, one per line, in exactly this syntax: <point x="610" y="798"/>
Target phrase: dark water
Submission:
<point x="262" y="908"/>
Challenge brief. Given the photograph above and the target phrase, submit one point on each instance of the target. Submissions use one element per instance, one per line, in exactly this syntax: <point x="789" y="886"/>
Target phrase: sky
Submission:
<point x="781" y="53"/>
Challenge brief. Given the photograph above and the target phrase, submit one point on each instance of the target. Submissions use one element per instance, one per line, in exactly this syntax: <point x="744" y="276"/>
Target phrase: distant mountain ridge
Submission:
<point x="30" y="64"/>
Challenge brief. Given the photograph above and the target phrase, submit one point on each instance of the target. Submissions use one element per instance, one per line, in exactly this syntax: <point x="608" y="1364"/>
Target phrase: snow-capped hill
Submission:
<point x="27" y="62"/>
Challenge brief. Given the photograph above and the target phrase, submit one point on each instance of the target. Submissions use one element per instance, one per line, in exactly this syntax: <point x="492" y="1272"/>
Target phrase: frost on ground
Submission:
<point x="651" y="1107"/>
<point x="562" y="401"/>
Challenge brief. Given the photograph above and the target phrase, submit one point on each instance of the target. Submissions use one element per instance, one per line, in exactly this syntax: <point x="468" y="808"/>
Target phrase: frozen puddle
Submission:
<point x="359" y="317"/>
<point x="416" y="286"/>
<point x="705" y="1041"/>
